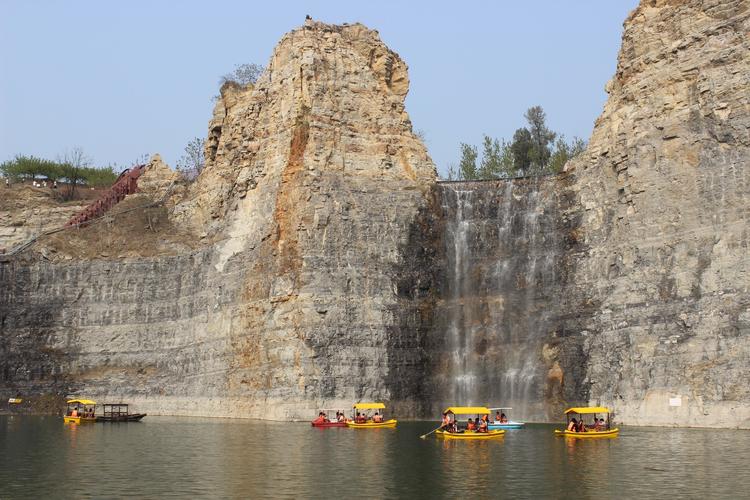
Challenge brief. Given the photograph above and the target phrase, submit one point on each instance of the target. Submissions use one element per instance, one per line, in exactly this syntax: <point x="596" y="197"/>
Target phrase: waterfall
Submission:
<point x="501" y="255"/>
<point x="460" y="328"/>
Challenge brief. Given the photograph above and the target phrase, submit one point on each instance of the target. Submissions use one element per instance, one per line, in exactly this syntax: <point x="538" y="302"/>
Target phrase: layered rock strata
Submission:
<point x="312" y="180"/>
<point x="664" y="189"/>
<point x="319" y="263"/>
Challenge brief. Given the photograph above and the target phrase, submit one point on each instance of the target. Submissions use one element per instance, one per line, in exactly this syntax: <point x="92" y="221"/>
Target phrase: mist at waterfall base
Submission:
<point x="502" y="256"/>
<point x="223" y="458"/>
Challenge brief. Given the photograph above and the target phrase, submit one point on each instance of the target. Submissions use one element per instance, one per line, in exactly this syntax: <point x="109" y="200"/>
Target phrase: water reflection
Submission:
<point x="242" y="459"/>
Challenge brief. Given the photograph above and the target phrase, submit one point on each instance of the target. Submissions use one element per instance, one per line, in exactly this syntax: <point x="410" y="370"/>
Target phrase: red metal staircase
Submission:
<point x="126" y="183"/>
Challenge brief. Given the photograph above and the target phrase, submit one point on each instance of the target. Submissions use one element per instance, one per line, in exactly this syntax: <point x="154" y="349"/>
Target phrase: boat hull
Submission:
<point x="588" y="434"/>
<point x="507" y="425"/>
<point x="77" y="420"/>
<point x="373" y="425"/>
<point x="133" y="417"/>
<point x="471" y="435"/>
<point x="328" y="424"/>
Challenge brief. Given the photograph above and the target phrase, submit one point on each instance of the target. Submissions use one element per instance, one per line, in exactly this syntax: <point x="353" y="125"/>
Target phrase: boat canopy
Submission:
<point x="468" y="410"/>
<point x="81" y="402"/>
<point x="501" y="408"/>
<point x="369" y="406"/>
<point x="587" y="410"/>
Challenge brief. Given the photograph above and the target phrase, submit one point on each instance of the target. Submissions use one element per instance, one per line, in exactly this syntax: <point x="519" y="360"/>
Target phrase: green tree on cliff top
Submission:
<point x="467" y="167"/>
<point x="533" y="151"/>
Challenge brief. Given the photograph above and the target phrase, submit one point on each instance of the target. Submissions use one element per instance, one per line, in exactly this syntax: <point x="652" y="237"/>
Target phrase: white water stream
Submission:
<point x="500" y="267"/>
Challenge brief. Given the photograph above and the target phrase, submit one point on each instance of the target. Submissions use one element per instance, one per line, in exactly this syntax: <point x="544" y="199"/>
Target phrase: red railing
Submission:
<point x="126" y="183"/>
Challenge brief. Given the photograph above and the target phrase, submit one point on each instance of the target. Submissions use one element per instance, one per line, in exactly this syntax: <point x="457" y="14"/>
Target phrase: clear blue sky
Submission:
<point x="123" y="79"/>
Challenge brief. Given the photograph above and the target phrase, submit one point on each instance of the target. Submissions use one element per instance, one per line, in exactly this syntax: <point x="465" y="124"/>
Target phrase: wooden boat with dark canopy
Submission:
<point x="118" y="412"/>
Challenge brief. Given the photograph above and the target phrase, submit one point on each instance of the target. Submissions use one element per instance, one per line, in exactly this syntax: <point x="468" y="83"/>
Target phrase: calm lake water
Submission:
<point x="190" y="457"/>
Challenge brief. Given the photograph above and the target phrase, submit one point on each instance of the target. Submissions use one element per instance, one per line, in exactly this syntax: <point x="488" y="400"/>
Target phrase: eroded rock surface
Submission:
<point x="664" y="187"/>
<point x="312" y="181"/>
<point x="316" y="262"/>
<point x="26" y="211"/>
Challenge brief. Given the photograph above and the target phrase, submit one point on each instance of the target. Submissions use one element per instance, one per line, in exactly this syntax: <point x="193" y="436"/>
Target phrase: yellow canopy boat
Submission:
<point x="469" y="434"/>
<point x="596" y="430"/>
<point x="362" y="420"/>
<point x="80" y="411"/>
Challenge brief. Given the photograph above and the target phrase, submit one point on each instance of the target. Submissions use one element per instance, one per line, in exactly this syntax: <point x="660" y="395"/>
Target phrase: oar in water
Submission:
<point x="433" y="430"/>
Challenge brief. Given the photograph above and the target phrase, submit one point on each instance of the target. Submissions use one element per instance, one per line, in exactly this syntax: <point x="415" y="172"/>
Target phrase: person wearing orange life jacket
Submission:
<point x="483" y="425"/>
<point x="470" y="426"/>
<point x="321" y="418"/>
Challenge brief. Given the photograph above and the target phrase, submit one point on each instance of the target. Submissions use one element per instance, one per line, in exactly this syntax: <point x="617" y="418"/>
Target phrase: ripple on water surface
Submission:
<point x="162" y="457"/>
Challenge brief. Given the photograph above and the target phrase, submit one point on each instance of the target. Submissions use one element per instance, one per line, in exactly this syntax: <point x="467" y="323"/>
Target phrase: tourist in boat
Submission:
<point x="573" y="425"/>
<point x="498" y="417"/>
<point x="598" y="424"/>
<point x="470" y="425"/>
<point x="581" y="426"/>
<point x="482" y="425"/>
<point x="321" y="418"/>
<point x="74" y="413"/>
<point x="446" y="422"/>
<point x="377" y="418"/>
<point x="341" y="417"/>
<point x="503" y="419"/>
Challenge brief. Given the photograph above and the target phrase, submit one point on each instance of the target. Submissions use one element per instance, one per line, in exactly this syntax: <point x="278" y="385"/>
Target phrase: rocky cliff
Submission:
<point x="312" y="181"/>
<point x="664" y="190"/>
<point x="316" y="261"/>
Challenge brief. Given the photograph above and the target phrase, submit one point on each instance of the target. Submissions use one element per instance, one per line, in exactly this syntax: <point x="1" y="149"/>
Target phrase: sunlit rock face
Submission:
<point x="312" y="181"/>
<point x="664" y="189"/>
<point x="316" y="262"/>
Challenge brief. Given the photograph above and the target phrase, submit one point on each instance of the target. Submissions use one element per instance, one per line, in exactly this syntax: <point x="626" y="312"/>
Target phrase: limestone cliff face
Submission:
<point x="316" y="262"/>
<point x="664" y="189"/>
<point x="312" y="181"/>
<point x="26" y="211"/>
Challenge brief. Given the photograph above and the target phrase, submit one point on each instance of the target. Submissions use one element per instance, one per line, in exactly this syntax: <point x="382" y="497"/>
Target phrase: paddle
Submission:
<point x="433" y="430"/>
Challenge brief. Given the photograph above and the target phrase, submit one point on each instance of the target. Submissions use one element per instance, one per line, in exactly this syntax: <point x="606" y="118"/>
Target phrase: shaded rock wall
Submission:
<point x="144" y="331"/>
<point x="496" y="336"/>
